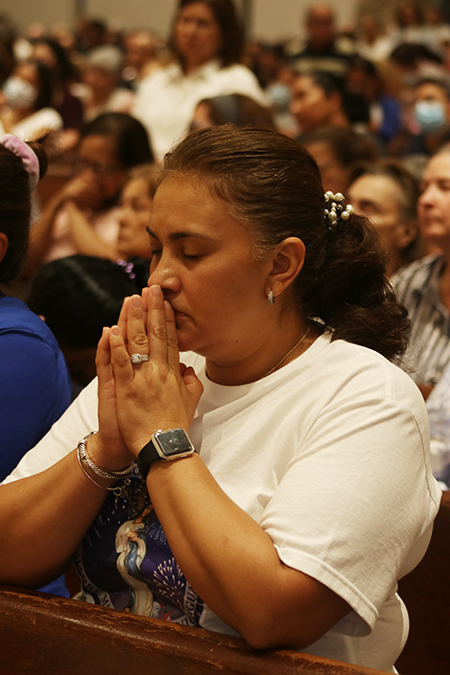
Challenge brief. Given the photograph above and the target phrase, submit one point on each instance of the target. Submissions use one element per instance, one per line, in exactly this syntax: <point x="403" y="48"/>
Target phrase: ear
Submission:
<point x="3" y="245"/>
<point x="287" y="261"/>
<point x="407" y="231"/>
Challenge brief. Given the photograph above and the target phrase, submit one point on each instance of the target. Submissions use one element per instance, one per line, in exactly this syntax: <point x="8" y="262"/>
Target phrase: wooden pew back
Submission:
<point x="53" y="636"/>
<point x="426" y="593"/>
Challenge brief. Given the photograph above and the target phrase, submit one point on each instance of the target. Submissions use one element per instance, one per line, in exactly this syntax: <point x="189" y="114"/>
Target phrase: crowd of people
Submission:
<point x="279" y="214"/>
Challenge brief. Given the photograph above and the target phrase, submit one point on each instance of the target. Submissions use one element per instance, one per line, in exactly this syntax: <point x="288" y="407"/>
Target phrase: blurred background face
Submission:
<point x="28" y="73"/>
<point x="309" y="104"/>
<point x="139" y="48"/>
<point x="97" y="156"/>
<point x="335" y="177"/>
<point x="198" y="36"/>
<point x="432" y="107"/>
<point x="101" y="82"/>
<point x="135" y="211"/>
<point x="43" y="53"/>
<point x="434" y="202"/>
<point x="378" y="198"/>
<point x="321" y="26"/>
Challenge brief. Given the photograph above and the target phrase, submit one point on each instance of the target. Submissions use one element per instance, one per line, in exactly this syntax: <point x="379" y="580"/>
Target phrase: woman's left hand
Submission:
<point x="160" y="393"/>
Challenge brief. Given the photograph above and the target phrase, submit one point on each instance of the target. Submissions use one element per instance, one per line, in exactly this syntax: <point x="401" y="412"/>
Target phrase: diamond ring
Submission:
<point x="138" y="358"/>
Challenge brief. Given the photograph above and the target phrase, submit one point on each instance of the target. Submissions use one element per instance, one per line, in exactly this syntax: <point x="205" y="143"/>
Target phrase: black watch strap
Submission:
<point x="146" y="457"/>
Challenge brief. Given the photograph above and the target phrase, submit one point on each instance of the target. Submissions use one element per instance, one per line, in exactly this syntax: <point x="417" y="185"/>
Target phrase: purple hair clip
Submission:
<point x="128" y="268"/>
<point x="26" y="154"/>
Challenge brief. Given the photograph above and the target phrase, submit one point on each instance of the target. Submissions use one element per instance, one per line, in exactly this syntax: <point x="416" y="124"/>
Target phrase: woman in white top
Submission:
<point x="289" y="524"/>
<point x="207" y="42"/>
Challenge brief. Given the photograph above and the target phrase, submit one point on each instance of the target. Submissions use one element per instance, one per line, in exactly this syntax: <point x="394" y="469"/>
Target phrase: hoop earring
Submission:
<point x="270" y="298"/>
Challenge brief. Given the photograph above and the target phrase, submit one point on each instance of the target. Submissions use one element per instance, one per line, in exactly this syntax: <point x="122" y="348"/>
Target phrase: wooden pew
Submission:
<point x="46" y="635"/>
<point x="426" y="593"/>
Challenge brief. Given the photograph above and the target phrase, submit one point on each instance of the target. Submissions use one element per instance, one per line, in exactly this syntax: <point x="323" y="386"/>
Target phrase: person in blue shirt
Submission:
<point x="34" y="380"/>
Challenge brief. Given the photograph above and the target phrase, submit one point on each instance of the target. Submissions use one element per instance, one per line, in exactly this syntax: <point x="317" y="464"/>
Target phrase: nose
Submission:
<point x="296" y="106"/>
<point x="428" y="195"/>
<point x="163" y="273"/>
<point x="124" y="215"/>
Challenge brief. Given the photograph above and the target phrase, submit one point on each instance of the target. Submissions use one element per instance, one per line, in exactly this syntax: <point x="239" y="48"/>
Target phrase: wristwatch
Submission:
<point x="165" y="445"/>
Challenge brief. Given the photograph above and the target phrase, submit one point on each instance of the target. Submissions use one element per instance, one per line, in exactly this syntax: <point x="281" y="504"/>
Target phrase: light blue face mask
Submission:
<point x="430" y="115"/>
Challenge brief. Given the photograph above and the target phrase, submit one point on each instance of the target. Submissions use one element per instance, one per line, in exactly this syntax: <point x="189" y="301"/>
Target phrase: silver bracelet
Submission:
<point x="85" y="471"/>
<point x="84" y="458"/>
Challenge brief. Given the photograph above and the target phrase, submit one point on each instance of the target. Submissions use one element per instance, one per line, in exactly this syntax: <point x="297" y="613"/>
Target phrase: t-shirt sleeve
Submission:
<point x="34" y="392"/>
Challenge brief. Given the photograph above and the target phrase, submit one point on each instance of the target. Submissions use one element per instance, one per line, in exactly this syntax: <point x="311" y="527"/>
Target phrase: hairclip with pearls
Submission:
<point x="335" y="209"/>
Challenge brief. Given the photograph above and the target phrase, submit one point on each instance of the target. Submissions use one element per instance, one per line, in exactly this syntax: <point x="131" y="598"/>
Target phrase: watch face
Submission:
<point x="173" y="442"/>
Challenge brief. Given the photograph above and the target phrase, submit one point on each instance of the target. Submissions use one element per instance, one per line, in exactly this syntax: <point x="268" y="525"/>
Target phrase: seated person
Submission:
<point x="26" y="102"/>
<point x="276" y="510"/>
<point x="387" y="193"/>
<point x="109" y="147"/>
<point x="54" y="56"/>
<point x="424" y="286"/>
<point x="34" y="381"/>
<point x="430" y="119"/>
<point x="319" y="99"/>
<point x="102" y="76"/>
<point x="323" y="49"/>
<point x="133" y="212"/>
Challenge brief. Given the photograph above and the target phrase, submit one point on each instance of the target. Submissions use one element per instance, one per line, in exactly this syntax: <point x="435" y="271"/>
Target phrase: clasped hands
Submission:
<point x="137" y="400"/>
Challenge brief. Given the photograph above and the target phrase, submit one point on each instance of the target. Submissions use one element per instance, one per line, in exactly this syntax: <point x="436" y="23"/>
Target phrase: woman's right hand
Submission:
<point x="108" y="448"/>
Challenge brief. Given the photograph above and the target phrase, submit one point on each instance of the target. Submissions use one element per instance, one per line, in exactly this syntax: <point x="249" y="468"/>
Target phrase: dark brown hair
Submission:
<point x="231" y="29"/>
<point x="238" y="109"/>
<point x="15" y="207"/>
<point x="272" y="184"/>
<point x="347" y="146"/>
<point x="131" y="140"/>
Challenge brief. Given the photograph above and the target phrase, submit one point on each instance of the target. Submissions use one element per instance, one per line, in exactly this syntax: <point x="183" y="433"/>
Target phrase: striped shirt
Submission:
<point x="418" y="288"/>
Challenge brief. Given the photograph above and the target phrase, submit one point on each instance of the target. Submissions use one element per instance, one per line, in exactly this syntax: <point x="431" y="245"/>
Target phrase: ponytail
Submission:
<point x="350" y="292"/>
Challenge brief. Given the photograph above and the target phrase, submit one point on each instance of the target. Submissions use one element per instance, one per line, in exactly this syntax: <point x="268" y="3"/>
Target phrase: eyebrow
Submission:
<point x="183" y="234"/>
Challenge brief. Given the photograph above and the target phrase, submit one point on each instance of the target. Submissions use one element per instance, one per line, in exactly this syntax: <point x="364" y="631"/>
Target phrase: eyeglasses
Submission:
<point x="96" y="167"/>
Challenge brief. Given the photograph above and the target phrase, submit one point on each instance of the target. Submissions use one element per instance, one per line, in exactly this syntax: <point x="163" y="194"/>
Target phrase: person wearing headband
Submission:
<point x="34" y="380"/>
<point x="242" y="459"/>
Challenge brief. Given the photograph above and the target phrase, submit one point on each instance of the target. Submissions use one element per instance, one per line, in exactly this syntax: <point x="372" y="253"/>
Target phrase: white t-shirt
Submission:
<point x="166" y="100"/>
<point x="330" y="454"/>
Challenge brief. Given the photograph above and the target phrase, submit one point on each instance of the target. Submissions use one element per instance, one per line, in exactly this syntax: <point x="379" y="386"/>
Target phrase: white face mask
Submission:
<point x="19" y="93"/>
